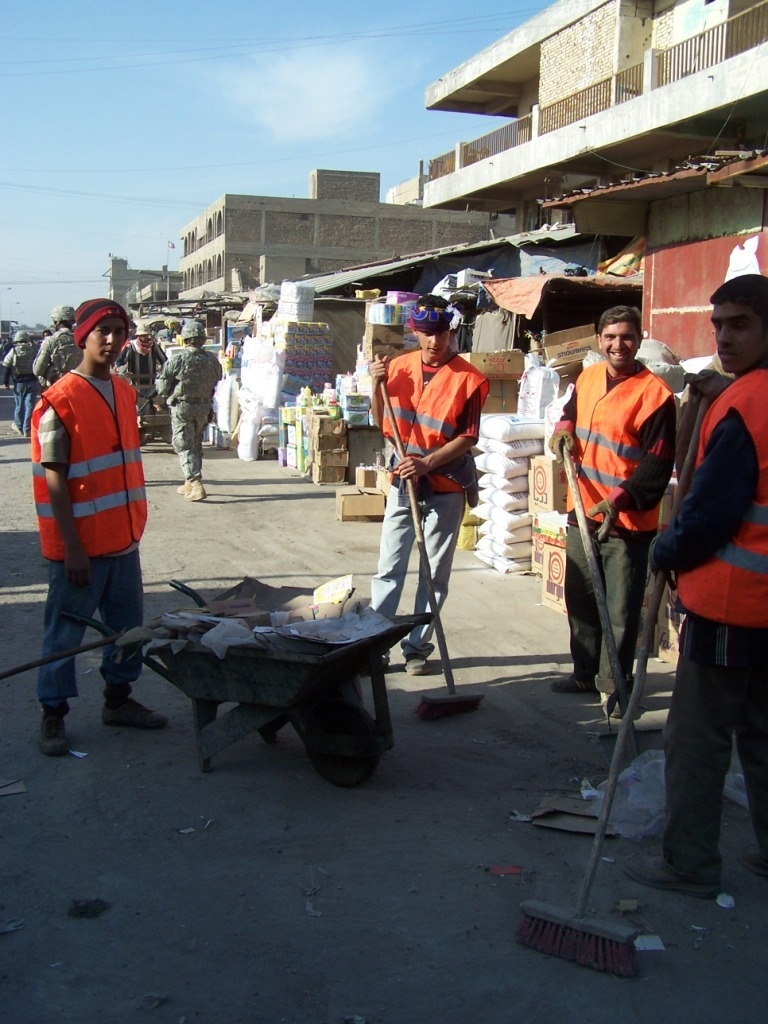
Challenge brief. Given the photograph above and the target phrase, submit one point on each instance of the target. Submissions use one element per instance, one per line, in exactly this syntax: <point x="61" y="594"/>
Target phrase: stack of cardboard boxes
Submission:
<point x="503" y="370"/>
<point x="366" y="501"/>
<point x="328" y="451"/>
<point x="387" y="333"/>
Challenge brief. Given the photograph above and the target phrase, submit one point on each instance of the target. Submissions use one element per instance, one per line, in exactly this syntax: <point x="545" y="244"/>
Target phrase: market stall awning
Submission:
<point x="523" y="295"/>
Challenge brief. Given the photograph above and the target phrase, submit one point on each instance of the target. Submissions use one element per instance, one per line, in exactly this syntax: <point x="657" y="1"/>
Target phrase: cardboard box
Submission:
<point x="384" y="334"/>
<point x="332" y="457"/>
<point x="650" y="583"/>
<point x="328" y="443"/>
<point x="321" y="425"/>
<point x="507" y="365"/>
<point x="379" y="350"/>
<point x="365" y="478"/>
<point x="568" y="373"/>
<point x="574" y="343"/>
<point x="671" y="617"/>
<point x="502" y="396"/>
<point x="547" y="485"/>
<point x="354" y="505"/>
<point x="553" y="578"/>
<point x="552" y="526"/>
<point x="537" y="553"/>
<point x="322" y="474"/>
<point x="383" y="481"/>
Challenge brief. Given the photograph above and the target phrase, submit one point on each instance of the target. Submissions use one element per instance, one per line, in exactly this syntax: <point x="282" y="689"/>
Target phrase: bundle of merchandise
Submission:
<point x="386" y="326"/>
<point x="507" y="443"/>
<point x="226" y="412"/>
<point x="259" y="395"/>
<point x="297" y="302"/>
<point x="307" y="354"/>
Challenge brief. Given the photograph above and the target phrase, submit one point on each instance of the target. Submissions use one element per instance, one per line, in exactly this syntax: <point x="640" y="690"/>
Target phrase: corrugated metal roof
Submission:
<point x="694" y="174"/>
<point x="359" y="274"/>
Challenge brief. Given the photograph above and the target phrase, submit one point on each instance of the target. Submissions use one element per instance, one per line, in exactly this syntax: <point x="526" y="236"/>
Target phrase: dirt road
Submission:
<point x="259" y="893"/>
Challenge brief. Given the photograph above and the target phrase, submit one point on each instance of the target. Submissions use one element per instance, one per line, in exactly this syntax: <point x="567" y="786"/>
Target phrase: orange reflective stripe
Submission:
<point x="732" y="586"/>
<point x="105" y="477"/>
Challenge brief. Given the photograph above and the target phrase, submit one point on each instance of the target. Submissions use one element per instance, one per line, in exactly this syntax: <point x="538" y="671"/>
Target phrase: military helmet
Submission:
<point x="192" y="330"/>
<point x="20" y="336"/>
<point x="63" y="315"/>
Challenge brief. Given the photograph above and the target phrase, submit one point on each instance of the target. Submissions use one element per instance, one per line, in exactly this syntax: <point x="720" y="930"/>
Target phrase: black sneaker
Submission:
<point x="53" y="737"/>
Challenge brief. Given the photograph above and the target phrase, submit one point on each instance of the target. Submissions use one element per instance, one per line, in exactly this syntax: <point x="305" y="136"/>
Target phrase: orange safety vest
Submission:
<point x="608" y="447"/>
<point x="732" y="585"/>
<point x="427" y="418"/>
<point x="105" y="475"/>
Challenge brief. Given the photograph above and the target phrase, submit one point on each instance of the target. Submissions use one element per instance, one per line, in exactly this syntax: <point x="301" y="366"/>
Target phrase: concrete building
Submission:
<point x="130" y="287"/>
<point x="242" y="241"/>
<point x="595" y="90"/>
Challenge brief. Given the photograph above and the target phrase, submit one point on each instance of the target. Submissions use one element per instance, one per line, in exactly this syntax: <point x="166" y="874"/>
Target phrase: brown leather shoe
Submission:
<point x="655" y="872"/>
<point x="750" y="858"/>
<point x="133" y="714"/>
<point x="570" y="684"/>
<point x="53" y="737"/>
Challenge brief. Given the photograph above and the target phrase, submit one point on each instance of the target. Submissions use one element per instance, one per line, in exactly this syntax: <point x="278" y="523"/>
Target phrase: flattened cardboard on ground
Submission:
<point x="569" y="814"/>
<point x="12" y="787"/>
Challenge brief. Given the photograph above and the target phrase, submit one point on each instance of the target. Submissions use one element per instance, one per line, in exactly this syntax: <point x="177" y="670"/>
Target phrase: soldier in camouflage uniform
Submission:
<point x="18" y="363"/>
<point x="58" y="354"/>
<point x="188" y="381"/>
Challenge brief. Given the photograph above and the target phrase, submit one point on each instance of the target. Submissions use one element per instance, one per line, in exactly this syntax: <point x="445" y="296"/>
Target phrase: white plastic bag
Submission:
<point x="538" y="387"/>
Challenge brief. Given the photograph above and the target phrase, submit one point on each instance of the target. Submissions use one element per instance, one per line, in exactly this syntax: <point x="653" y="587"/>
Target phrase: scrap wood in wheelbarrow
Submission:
<point x="253" y="614"/>
<point x="259" y="604"/>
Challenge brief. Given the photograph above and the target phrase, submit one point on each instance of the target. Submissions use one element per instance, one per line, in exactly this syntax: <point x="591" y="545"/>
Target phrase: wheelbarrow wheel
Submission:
<point x="344" y="719"/>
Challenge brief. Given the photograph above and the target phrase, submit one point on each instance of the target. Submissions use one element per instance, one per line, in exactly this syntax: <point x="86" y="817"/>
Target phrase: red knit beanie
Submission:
<point x="90" y="313"/>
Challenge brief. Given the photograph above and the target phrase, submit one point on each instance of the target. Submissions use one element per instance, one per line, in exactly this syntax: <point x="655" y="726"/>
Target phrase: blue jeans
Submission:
<point x="442" y="516"/>
<point x="25" y="393"/>
<point x="116" y="592"/>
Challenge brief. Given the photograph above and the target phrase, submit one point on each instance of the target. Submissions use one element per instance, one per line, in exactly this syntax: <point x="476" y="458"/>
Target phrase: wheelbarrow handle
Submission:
<point x="184" y="589"/>
<point x="60" y="655"/>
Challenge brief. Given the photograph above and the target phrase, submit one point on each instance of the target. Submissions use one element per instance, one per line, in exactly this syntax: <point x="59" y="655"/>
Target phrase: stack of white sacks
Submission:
<point x="507" y="443"/>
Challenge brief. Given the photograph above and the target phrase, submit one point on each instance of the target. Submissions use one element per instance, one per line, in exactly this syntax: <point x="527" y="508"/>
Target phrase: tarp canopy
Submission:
<point x="524" y="295"/>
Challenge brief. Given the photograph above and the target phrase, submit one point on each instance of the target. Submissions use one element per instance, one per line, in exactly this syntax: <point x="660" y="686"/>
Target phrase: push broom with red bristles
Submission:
<point x="432" y="706"/>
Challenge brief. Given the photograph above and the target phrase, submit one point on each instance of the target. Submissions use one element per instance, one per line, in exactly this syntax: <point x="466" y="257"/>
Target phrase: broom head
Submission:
<point x="589" y="941"/>
<point x="442" y="705"/>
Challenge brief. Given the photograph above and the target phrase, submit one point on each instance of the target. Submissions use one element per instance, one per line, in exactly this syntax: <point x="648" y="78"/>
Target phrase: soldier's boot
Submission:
<point x="184" y="488"/>
<point x="196" y="491"/>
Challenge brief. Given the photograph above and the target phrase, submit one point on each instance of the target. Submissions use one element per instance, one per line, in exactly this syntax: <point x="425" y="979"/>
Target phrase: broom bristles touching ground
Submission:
<point x="589" y="941"/>
<point x="443" y="705"/>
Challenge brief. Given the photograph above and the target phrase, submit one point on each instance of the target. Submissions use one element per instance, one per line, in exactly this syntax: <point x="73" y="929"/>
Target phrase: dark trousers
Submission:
<point x="623" y="565"/>
<point x="711" y="705"/>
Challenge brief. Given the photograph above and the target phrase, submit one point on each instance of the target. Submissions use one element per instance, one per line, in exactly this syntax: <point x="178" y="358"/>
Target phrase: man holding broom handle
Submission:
<point x="436" y="398"/>
<point x="619" y="426"/>
<point x="718" y="547"/>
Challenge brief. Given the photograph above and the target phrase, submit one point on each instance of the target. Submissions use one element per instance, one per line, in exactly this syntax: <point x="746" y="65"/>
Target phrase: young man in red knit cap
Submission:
<point x="436" y="399"/>
<point x="91" y="510"/>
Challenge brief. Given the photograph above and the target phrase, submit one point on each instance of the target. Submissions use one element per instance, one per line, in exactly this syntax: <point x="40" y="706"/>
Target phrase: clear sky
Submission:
<point x="120" y="122"/>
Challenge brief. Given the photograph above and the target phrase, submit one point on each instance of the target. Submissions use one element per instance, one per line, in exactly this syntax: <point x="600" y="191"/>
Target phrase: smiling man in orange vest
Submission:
<point x="436" y="398"/>
<point x="718" y="546"/>
<point x="619" y="425"/>
<point x="91" y="510"/>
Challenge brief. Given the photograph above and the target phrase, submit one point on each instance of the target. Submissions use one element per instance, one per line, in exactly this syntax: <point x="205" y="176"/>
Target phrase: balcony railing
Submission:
<point x="737" y="35"/>
<point x="439" y="166"/>
<point x="582" y="104"/>
<point x="513" y="134"/>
